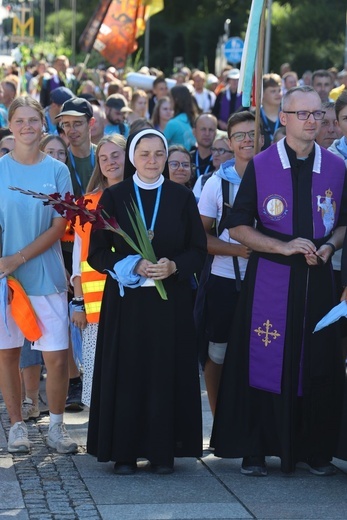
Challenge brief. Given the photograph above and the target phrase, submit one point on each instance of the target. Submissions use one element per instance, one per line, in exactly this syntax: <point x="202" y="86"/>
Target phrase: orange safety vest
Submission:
<point x="93" y="282"/>
<point x="23" y="312"/>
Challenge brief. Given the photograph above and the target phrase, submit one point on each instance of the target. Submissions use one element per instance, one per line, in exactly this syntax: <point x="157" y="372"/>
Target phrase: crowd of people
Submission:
<point x="246" y="219"/>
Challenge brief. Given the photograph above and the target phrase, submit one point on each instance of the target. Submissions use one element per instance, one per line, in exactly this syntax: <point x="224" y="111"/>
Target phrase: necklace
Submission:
<point x="150" y="231"/>
<point x="41" y="158"/>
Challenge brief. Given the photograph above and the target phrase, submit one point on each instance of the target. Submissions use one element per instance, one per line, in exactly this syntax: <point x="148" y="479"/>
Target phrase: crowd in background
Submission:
<point x="88" y="120"/>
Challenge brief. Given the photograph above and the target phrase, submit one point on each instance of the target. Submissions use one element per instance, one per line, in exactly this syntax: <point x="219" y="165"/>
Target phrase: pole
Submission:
<point x="259" y="79"/>
<point x="147" y="35"/>
<point x="268" y="38"/>
<point x="73" y="32"/>
<point x="345" y="57"/>
<point x="42" y="20"/>
<point x="56" y="24"/>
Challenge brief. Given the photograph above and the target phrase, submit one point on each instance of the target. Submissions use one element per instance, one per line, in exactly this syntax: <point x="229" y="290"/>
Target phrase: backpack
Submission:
<point x="200" y="301"/>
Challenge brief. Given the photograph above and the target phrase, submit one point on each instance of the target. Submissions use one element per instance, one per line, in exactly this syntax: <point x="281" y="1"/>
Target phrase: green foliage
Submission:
<point x="308" y="36"/>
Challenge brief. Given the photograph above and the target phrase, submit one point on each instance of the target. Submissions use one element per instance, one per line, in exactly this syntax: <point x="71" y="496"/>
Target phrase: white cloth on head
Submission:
<point x="143" y="133"/>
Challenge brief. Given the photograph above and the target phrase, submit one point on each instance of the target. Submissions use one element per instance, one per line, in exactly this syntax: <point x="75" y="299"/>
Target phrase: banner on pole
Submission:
<point x="115" y="25"/>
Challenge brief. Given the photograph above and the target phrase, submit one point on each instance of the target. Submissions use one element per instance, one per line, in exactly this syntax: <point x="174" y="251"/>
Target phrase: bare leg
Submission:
<point x="57" y="379"/>
<point x="31" y="380"/>
<point x="212" y="372"/>
<point x="10" y="383"/>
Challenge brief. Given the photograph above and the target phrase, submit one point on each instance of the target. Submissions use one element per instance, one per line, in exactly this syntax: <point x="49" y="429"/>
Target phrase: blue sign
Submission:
<point x="233" y="50"/>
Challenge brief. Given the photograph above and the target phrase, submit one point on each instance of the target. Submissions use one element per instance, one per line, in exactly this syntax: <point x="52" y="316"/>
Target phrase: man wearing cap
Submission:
<point x="228" y="100"/>
<point x="58" y="97"/>
<point x="77" y="120"/>
<point x="116" y="107"/>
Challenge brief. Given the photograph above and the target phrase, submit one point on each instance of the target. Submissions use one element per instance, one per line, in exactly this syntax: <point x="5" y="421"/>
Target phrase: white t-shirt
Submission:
<point x="211" y="205"/>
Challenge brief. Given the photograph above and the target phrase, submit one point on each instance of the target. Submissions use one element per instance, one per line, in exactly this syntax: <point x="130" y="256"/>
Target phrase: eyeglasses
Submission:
<point x="174" y="165"/>
<point x="4" y="151"/>
<point x="220" y="151"/>
<point x="303" y="115"/>
<point x="75" y="125"/>
<point x="240" y="136"/>
<point x="57" y="154"/>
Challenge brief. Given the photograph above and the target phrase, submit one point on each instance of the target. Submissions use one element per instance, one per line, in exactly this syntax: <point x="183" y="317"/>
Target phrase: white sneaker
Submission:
<point x="59" y="439"/>
<point x="18" y="441"/>
<point x="29" y="409"/>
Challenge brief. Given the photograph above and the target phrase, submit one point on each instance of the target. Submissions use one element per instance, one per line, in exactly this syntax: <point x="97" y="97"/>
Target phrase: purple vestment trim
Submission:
<point x="268" y="327"/>
<point x="275" y="208"/>
<point x="275" y="191"/>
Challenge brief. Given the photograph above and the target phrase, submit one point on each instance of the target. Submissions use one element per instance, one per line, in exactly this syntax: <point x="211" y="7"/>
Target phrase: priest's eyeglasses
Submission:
<point x="303" y="115"/>
<point x="174" y="165"/>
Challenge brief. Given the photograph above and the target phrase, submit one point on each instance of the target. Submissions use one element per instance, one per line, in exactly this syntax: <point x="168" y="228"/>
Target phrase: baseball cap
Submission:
<point x="233" y="74"/>
<point x="118" y="102"/>
<point x="76" y="107"/>
<point x="89" y="97"/>
<point x="61" y="94"/>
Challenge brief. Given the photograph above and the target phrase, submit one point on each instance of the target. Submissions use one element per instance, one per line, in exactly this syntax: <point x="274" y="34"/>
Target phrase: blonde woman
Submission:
<point x="89" y="284"/>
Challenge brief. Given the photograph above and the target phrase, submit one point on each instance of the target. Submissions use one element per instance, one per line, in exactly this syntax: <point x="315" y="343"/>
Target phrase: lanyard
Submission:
<point x="266" y="124"/>
<point x="73" y="163"/>
<point x="150" y="231"/>
<point x="198" y="167"/>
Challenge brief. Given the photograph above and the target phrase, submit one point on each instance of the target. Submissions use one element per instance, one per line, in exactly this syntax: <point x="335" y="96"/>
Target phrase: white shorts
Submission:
<point x="52" y="316"/>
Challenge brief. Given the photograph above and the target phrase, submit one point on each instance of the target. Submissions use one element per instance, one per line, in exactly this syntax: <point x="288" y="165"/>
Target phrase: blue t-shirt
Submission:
<point x="23" y="219"/>
<point x="116" y="129"/>
<point x="179" y="131"/>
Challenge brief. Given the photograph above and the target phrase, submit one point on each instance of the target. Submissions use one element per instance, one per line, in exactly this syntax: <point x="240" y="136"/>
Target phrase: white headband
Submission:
<point x="138" y="136"/>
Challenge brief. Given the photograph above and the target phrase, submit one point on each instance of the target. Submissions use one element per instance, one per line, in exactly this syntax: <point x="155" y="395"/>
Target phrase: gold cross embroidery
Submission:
<point x="274" y="334"/>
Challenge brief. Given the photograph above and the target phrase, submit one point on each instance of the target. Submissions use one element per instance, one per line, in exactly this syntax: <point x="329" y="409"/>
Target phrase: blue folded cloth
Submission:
<point x="337" y="312"/>
<point x="4" y="301"/>
<point x="123" y="272"/>
<point x="76" y="339"/>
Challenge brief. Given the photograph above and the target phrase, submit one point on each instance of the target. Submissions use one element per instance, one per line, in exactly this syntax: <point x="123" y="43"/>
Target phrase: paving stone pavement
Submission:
<point x="45" y="485"/>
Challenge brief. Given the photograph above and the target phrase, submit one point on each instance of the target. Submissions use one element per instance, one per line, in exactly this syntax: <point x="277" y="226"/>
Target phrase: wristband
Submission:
<point x="331" y="245"/>
<point x="79" y="308"/>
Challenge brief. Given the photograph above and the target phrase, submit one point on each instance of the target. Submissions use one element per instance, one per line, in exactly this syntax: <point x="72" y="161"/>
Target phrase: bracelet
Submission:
<point x="79" y="300"/>
<point x="23" y="257"/>
<point x="331" y="245"/>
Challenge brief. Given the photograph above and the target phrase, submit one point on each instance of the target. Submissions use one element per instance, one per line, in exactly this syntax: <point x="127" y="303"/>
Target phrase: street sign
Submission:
<point x="233" y="50"/>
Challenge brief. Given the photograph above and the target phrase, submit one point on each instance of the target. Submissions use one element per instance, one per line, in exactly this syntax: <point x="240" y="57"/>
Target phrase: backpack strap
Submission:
<point x="228" y="200"/>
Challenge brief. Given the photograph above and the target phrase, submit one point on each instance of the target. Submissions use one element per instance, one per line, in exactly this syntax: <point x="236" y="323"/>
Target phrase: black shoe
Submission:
<point x="318" y="466"/>
<point x="74" y="398"/>
<point x="254" y="467"/>
<point x="162" y="469"/>
<point x="125" y="468"/>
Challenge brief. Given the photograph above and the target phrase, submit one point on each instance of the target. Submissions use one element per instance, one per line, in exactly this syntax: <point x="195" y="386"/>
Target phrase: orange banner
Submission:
<point x="116" y="38"/>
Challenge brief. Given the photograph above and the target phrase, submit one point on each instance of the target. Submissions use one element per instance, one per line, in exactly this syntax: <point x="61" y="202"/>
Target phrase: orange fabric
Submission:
<point x="22" y="311"/>
<point x="92" y="281"/>
<point x="69" y="233"/>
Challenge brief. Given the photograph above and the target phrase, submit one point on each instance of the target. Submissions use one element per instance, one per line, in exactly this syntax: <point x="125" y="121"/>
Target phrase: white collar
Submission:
<point x="147" y="185"/>
<point x="285" y="159"/>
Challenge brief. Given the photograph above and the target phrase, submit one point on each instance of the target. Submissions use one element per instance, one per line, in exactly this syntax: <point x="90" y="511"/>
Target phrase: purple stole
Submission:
<point x="225" y="106"/>
<point x="275" y="209"/>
